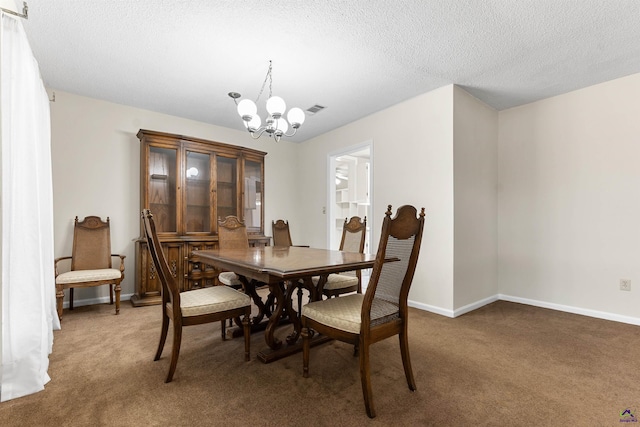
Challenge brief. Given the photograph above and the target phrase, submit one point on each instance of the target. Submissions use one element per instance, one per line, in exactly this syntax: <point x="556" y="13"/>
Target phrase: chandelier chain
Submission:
<point x="267" y="77"/>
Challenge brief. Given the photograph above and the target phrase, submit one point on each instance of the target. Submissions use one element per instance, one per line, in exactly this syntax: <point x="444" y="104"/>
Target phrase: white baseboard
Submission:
<point x="92" y="301"/>
<point x="453" y="313"/>
<point x="430" y="308"/>
<point x="474" y="306"/>
<point x="559" y="307"/>
<point x="575" y="310"/>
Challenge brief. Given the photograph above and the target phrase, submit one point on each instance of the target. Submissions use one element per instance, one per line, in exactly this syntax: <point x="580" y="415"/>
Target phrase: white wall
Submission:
<point x="475" y="168"/>
<point x="10" y="5"/>
<point x="96" y="171"/>
<point x="412" y="164"/>
<point x="569" y="205"/>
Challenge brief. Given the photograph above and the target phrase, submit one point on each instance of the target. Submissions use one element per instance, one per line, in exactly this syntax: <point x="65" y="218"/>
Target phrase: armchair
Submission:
<point x="90" y="262"/>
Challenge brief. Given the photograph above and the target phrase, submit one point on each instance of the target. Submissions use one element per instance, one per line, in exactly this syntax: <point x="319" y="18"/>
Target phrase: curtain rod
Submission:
<point x="24" y="14"/>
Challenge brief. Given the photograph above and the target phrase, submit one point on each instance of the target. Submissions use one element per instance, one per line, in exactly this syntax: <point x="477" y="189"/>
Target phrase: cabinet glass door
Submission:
<point x="198" y="195"/>
<point x="252" y="202"/>
<point x="227" y="188"/>
<point x="162" y="188"/>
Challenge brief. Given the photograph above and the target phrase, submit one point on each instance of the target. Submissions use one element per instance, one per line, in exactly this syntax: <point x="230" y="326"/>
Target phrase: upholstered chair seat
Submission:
<point x="88" y="276"/>
<point x="230" y="278"/>
<point x="209" y="300"/>
<point x="338" y="281"/>
<point x="344" y="313"/>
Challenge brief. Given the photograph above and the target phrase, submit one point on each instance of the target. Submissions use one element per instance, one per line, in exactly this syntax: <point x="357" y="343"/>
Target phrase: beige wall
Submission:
<point x="96" y="171"/>
<point x="412" y="164"/>
<point x="475" y="168"/>
<point x="535" y="204"/>
<point x="569" y="205"/>
<point x="10" y="5"/>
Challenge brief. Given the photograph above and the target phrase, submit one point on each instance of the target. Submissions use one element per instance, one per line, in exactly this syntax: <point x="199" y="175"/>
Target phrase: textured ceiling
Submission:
<point x="356" y="57"/>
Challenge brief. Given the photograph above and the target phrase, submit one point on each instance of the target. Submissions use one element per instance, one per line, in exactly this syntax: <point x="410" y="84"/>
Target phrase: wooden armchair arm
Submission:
<point x="122" y="257"/>
<point x="57" y="260"/>
<point x="55" y="263"/>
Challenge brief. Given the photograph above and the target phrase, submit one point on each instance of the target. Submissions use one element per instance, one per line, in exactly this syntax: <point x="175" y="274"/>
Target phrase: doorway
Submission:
<point x="350" y="190"/>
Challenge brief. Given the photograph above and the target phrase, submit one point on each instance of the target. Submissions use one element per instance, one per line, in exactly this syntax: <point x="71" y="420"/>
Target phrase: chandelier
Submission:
<point x="275" y="124"/>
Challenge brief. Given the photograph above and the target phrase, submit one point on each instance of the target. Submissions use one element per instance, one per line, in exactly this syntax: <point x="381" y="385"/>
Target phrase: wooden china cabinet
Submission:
<point x="188" y="184"/>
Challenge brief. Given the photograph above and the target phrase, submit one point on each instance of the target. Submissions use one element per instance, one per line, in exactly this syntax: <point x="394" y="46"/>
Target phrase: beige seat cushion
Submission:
<point x="338" y="281"/>
<point x="230" y="278"/>
<point x="79" y="276"/>
<point x="211" y="300"/>
<point x="344" y="313"/>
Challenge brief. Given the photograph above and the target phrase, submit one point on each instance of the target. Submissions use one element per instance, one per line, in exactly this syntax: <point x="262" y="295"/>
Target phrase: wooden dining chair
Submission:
<point x="232" y="234"/>
<point x="281" y="233"/>
<point x="91" y="262"/>
<point x="353" y="239"/>
<point x="205" y="305"/>
<point x="381" y="312"/>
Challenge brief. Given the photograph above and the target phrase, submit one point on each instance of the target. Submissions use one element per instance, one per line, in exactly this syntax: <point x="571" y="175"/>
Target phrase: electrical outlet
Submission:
<point x="625" y="284"/>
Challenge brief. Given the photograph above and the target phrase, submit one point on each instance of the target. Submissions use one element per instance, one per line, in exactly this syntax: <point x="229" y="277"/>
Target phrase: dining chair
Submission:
<point x="353" y="238"/>
<point x="381" y="312"/>
<point x="232" y="234"/>
<point x="282" y="238"/>
<point x="281" y="233"/>
<point x="204" y="305"/>
<point x="91" y="262"/>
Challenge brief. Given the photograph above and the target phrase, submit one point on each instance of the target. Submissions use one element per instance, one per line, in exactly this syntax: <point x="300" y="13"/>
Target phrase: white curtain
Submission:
<point x="28" y="290"/>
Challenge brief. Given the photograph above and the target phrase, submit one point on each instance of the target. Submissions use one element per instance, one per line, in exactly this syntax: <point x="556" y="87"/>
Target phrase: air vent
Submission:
<point x="315" y="109"/>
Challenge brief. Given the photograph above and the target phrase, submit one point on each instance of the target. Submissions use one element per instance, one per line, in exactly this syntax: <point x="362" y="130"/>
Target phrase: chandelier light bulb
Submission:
<point x="247" y="109"/>
<point x="276" y="106"/>
<point x="296" y="117"/>
<point x="253" y="124"/>
<point x="282" y="125"/>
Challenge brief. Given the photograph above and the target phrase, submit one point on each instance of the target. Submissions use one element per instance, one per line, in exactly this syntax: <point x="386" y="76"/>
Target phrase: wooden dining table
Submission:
<point x="285" y="270"/>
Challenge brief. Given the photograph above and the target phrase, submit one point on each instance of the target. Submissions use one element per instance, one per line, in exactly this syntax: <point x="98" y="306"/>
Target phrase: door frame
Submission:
<point x="331" y="190"/>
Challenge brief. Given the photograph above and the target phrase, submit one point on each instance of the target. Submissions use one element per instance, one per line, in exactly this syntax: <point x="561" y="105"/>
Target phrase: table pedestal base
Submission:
<point x="269" y="355"/>
<point x="237" y="331"/>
